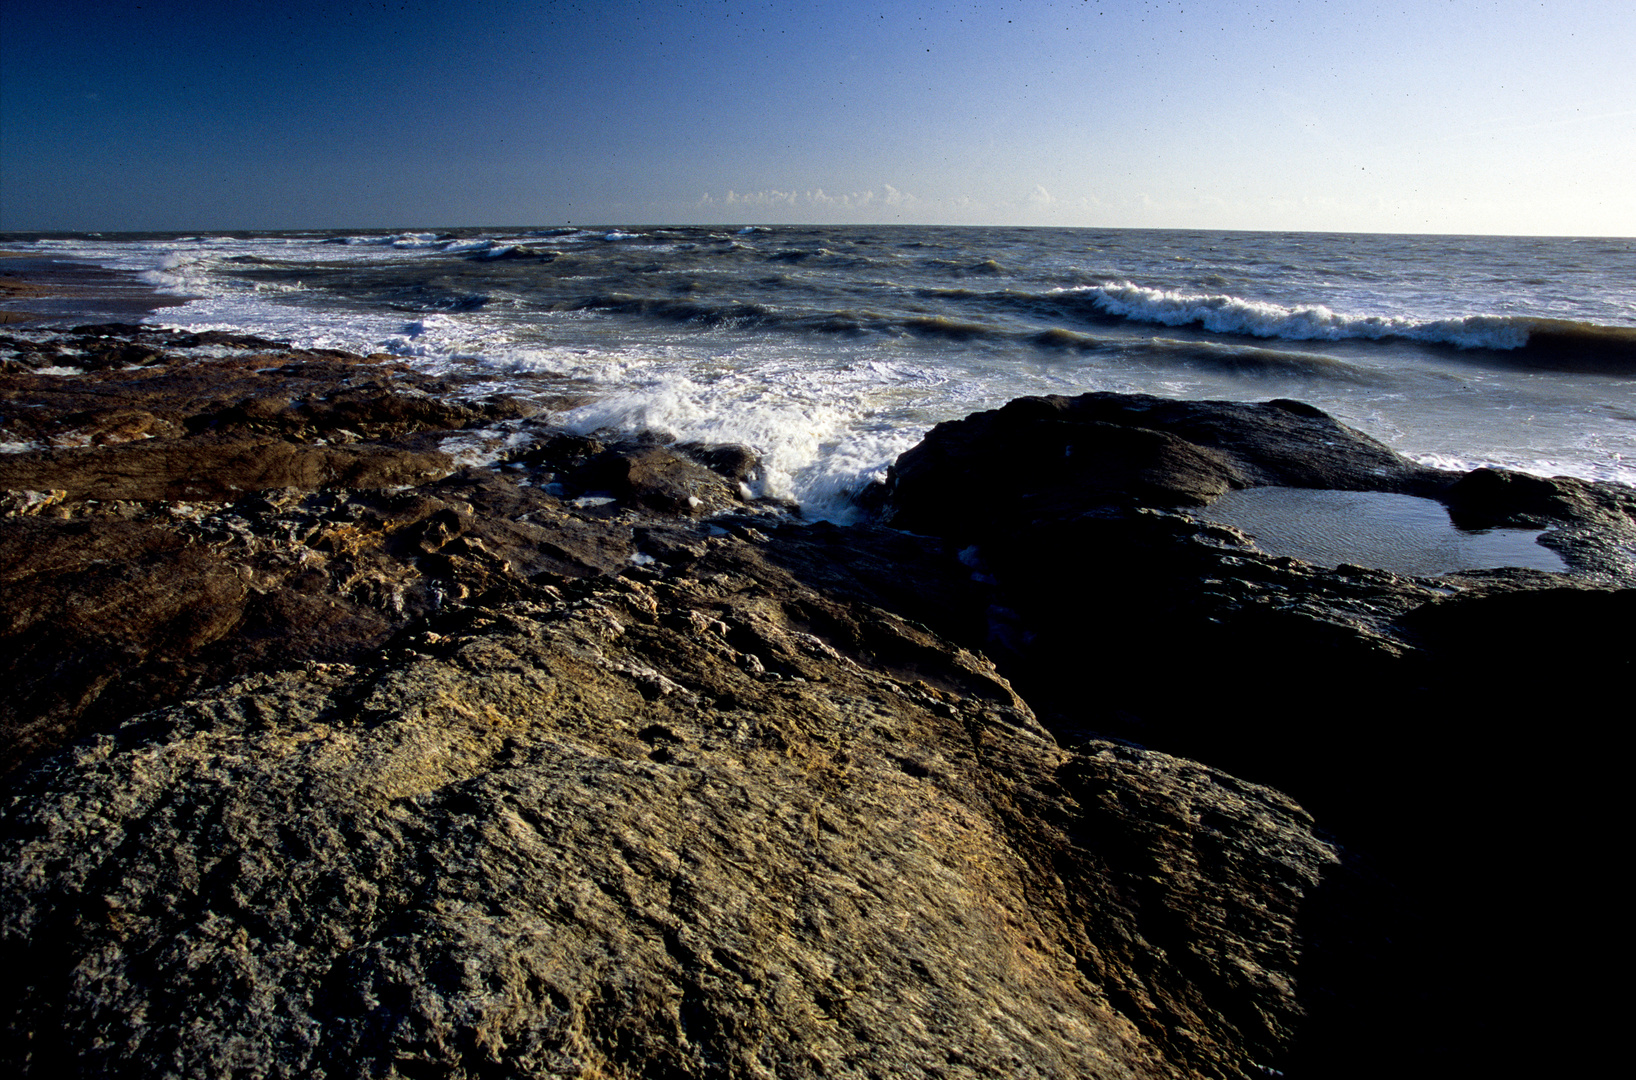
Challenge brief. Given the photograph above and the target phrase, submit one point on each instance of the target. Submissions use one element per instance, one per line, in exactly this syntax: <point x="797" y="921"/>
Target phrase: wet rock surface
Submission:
<point x="1045" y="458"/>
<point x="201" y="516"/>
<point x="1095" y="545"/>
<point x="363" y="725"/>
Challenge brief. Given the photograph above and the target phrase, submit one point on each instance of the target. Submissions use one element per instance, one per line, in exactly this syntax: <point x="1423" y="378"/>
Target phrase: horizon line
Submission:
<point x="596" y="226"/>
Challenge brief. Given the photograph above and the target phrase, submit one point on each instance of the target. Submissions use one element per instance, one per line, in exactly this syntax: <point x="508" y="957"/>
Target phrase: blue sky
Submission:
<point x="1499" y="116"/>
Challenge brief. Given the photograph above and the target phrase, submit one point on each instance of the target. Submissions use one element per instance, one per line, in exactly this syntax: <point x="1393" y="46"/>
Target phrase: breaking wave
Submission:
<point x="1555" y="343"/>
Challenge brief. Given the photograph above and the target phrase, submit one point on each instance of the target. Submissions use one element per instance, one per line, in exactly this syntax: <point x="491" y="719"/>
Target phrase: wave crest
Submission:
<point x="1224" y="314"/>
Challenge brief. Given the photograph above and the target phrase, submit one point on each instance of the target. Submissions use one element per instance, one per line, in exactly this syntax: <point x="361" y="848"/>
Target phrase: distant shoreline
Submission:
<point x="41" y="291"/>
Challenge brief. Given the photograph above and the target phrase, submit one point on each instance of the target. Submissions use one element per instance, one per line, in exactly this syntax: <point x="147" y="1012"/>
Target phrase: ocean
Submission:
<point x="830" y="350"/>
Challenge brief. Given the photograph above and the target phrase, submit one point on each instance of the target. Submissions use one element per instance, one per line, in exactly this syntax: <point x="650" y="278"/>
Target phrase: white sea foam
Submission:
<point x="788" y="434"/>
<point x="181" y="273"/>
<point x="1609" y="468"/>
<point x="401" y="240"/>
<point x="483" y="446"/>
<point x="816" y="445"/>
<point x="603" y="366"/>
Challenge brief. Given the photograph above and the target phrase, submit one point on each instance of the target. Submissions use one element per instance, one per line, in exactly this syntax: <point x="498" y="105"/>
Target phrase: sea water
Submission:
<point x="1401" y="533"/>
<point x="830" y="350"/>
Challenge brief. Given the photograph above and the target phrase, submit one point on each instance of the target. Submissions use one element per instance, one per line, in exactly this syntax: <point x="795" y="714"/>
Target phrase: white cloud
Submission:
<point x="761" y="198"/>
<point x="854" y="201"/>
<point x="817" y="198"/>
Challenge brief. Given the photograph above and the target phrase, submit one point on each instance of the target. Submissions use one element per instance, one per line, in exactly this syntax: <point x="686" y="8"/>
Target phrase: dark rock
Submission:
<point x="695" y="480"/>
<point x="113" y="425"/>
<point x="1487" y="498"/>
<point x="263" y="539"/>
<point x="1278" y="443"/>
<point x="1102" y="573"/>
<point x="370" y="409"/>
<point x="214" y="469"/>
<point x="85" y="605"/>
<point x="656" y="478"/>
<point x="206" y="593"/>
<point x="1049" y="457"/>
<point x="262" y="388"/>
<point x="1387" y="705"/>
<point x="557" y="452"/>
<point x="731" y="460"/>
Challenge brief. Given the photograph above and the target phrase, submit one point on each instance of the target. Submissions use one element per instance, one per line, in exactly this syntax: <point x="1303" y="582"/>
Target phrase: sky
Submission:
<point x="1410" y="116"/>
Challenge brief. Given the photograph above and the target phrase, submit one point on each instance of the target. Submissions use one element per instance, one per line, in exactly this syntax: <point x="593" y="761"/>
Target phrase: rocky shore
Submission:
<point x="363" y="725"/>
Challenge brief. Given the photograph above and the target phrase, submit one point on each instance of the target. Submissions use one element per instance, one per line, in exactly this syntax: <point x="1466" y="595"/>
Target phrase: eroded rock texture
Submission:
<point x="709" y="823"/>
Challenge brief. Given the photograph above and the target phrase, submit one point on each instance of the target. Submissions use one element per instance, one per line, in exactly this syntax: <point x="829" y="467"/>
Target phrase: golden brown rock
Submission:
<point x="648" y="825"/>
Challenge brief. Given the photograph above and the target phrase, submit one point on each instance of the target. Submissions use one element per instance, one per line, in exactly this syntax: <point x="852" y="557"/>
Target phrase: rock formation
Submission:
<point x="701" y="822"/>
<point x="362" y="725"/>
<point x="1391" y="707"/>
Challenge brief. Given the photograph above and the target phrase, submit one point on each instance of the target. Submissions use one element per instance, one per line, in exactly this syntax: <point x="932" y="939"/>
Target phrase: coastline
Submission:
<point x="259" y="566"/>
<point x="871" y="336"/>
<point x="41" y="291"/>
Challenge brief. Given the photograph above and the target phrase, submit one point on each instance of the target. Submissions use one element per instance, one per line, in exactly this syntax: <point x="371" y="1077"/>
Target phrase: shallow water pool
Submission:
<point x="1400" y="533"/>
